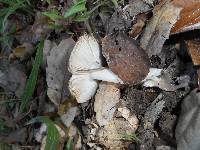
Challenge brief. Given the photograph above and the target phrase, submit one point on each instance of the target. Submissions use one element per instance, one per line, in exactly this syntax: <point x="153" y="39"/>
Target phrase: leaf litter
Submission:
<point x="109" y="75"/>
<point x="57" y="74"/>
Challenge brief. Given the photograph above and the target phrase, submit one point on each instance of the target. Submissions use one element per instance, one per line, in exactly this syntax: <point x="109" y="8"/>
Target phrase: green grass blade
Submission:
<point x="69" y="145"/>
<point x="77" y="7"/>
<point x="53" y="14"/>
<point x="53" y="136"/>
<point x="82" y="17"/>
<point x="115" y="3"/>
<point x="32" y="80"/>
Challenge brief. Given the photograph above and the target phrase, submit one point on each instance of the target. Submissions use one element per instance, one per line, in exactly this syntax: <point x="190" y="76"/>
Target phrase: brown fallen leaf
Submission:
<point x="189" y="16"/>
<point x="56" y="71"/>
<point x="125" y="58"/>
<point x="106" y="98"/>
<point x="194" y="51"/>
<point x="158" y="29"/>
<point x="137" y="28"/>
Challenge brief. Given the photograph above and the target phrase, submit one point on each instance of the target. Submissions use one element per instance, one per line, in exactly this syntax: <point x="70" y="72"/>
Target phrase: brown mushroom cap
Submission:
<point x="125" y="58"/>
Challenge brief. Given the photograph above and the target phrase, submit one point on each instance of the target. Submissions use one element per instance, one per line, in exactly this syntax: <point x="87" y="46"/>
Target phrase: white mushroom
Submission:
<point x="86" y="67"/>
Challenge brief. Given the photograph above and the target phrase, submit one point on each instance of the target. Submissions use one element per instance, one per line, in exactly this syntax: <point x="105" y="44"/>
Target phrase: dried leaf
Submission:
<point x="137" y="28"/>
<point x="56" y="71"/>
<point x="194" y="51"/>
<point x="189" y="17"/>
<point x="125" y="58"/>
<point x="187" y="130"/>
<point x="158" y="29"/>
<point x="107" y="97"/>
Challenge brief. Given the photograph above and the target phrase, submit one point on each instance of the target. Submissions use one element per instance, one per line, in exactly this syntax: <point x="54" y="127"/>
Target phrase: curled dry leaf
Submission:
<point x="189" y="17"/>
<point x="106" y="98"/>
<point x="56" y="71"/>
<point x="136" y="10"/>
<point x="158" y="29"/>
<point x="194" y="51"/>
<point x="137" y="28"/>
<point x="125" y="58"/>
<point x="86" y="67"/>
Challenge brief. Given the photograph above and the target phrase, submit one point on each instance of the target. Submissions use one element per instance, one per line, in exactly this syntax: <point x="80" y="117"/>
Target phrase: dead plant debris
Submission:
<point x="99" y="74"/>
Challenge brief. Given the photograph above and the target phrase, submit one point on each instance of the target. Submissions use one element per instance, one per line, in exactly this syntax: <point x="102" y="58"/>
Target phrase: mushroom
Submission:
<point x="86" y="68"/>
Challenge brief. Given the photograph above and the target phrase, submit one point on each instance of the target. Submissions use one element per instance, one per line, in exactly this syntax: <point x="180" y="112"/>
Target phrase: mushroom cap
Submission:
<point x="125" y="58"/>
